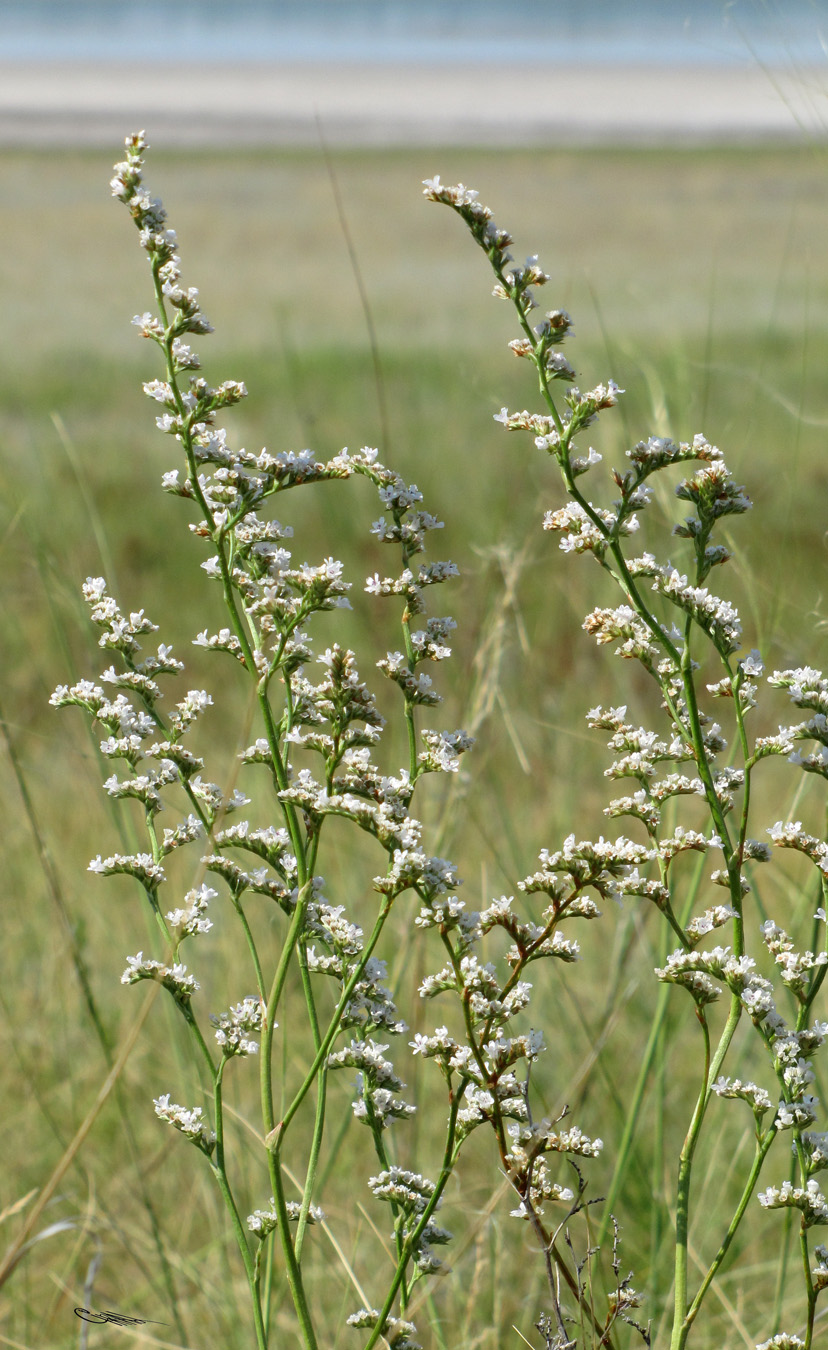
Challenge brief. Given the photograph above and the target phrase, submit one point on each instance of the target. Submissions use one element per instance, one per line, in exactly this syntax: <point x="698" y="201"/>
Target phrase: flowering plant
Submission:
<point x="687" y="630"/>
<point x="319" y="741"/>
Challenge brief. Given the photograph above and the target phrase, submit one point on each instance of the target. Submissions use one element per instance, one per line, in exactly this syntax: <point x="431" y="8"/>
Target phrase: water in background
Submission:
<point x="649" y="32"/>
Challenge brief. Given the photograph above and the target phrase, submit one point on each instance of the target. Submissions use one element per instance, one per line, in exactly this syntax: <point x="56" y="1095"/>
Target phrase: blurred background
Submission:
<point x="668" y="163"/>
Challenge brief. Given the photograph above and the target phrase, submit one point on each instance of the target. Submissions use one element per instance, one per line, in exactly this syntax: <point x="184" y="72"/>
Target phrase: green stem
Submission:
<point x="330" y="1035"/>
<point x="809" y="1284"/>
<point x="257" y="965"/>
<point x="293" y="935"/>
<point x="275" y="1134"/>
<point x="266" y="1258"/>
<point x="217" y="1163"/>
<point x="294" y="1271"/>
<point x="683" y="1193"/>
<point x="449" y="1159"/>
<point x="313" y="1161"/>
<point x="385" y="1163"/>
<point x="321" y="1100"/>
<point x="656" y="1030"/>
<point x="782" y="1272"/>
<point x="753" y="1176"/>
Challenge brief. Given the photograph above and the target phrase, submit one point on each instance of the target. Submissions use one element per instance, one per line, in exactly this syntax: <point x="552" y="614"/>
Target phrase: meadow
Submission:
<point x="698" y="281"/>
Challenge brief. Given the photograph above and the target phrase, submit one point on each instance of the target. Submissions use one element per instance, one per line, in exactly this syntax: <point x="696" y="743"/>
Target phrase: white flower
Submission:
<point x="189" y="1121"/>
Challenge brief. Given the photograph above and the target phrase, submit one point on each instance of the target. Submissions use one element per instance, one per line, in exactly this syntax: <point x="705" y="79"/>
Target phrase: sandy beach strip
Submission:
<point x="383" y="105"/>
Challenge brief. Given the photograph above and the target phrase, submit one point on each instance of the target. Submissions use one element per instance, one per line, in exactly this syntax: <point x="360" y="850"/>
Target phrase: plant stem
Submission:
<point x="220" y="1173"/>
<point x="753" y="1177"/>
<point x="449" y="1159"/>
<point x="683" y="1193"/>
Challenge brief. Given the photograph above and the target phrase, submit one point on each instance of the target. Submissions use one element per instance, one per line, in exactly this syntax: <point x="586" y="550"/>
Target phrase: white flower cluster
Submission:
<point x="370" y="1006"/>
<point x="159" y="242"/>
<point x="270" y="844"/>
<point x="409" y="1189"/>
<point x="624" y="1298"/>
<point x="257" y="879"/>
<point x="503" y="1051"/>
<point x="659" y="452"/>
<point x="504" y="1098"/>
<point x="412" y="1193"/>
<point x="341" y="700"/>
<point x="717" y="617"/>
<point x="815" y="761"/>
<point x="397" y="1332"/>
<point x="438" y="1045"/>
<point x="186" y="832"/>
<point x="174" y="978"/>
<point x="500" y="1094"/>
<point x="790" y="1050"/>
<point x="697" y="971"/>
<point x="120" y="632"/>
<point x="782" y="744"/>
<point x="279" y="596"/>
<point x="683" y="840"/>
<point x="417" y="689"/>
<point x="233" y="1028"/>
<point x="542" y="423"/>
<point x="608" y="866"/>
<point x="714" y="917"/>
<point x="796" y="968"/>
<point x="193" y="917"/>
<point x="410" y="867"/>
<point x="480" y="989"/>
<point x="815" y="1144"/>
<point x="531" y="940"/>
<point x="449" y="914"/>
<point x="641" y="751"/>
<point x="726" y="782"/>
<point x="756" y="1097"/>
<point x="806" y="686"/>
<point x="382" y="814"/>
<point x="791" y="835"/>
<point x="623" y="625"/>
<point x="263" y="1221"/>
<point x="820" y="1270"/>
<point x="331" y="924"/>
<point x="443" y="750"/>
<point x="783" y="1340"/>
<point x="129" y="728"/>
<point x="142" y="866"/>
<point x="144" y="787"/>
<point x="408" y="529"/>
<point x="528" y="1166"/>
<point x="376" y="1104"/>
<point x="587" y="531"/>
<point x="713" y="493"/>
<point x="612" y="868"/>
<point x="408" y="526"/>
<point x="223" y="641"/>
<point x="189" y="1121"/>
<point x="552" y="433"/>
<point x="809" y="1199"/>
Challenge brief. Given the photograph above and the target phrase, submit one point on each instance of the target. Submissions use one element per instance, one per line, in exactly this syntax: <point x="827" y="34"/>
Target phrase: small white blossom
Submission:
<point x="189" y="1121"/>
<point x="756" y="1097"/>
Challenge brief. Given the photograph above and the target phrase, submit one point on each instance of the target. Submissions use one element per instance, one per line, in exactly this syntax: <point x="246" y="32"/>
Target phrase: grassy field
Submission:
<point x="697" y="280"/>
